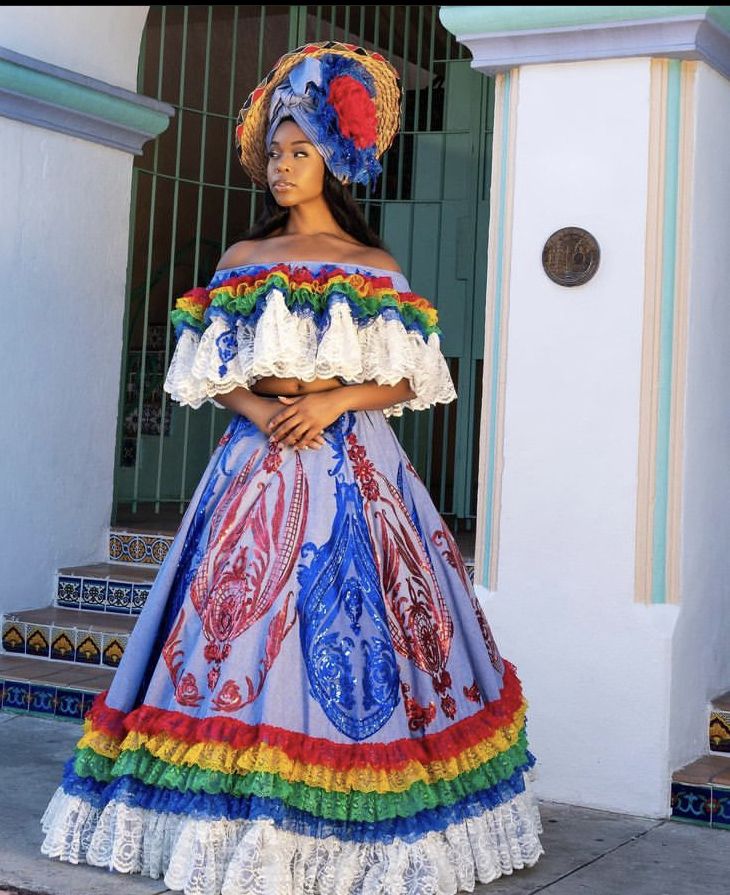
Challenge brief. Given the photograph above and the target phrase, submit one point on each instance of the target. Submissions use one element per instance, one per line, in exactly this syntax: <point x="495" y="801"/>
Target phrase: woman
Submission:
<point x="311" y="700"/>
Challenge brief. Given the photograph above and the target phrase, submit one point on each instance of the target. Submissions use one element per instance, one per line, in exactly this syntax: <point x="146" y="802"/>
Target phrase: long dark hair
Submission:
<point x="341" y="204"/>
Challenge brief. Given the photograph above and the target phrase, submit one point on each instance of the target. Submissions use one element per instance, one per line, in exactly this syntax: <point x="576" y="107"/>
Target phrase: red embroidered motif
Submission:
<point x="171" y="652"/>
<point x="452" y="555"/>
<point x="272" y="461"/>
<point x="225" y="438"/>
<point x="251" y="555"/>
<point x="418" y="618"/>
<point x="448" y="706"/>
<point x="187" y="693"/>
<point x="363" y="469"/>
<point x="419" y="717"/>
<point x="473" y="693"/>
<point x="229" y="699"/>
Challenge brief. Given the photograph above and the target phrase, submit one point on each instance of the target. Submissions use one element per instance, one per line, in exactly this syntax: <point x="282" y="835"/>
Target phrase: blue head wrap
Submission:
<point x="303" y="96"/>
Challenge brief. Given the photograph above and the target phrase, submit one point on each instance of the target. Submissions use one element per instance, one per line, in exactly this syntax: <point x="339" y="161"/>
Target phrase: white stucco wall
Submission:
<point x="701" y="666"/>
<point x="63" y="256"/>
<point x="595" y="665"/>
<point x="99" y="41"/>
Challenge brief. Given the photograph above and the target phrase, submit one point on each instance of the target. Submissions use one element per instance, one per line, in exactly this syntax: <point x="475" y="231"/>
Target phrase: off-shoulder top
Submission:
<point x="306" y="320"/>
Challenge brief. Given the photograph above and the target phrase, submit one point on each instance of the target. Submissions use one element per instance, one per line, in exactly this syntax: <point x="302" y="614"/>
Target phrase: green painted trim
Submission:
<point x="720" y="15"/>
<point x="462" y="20"/>
<point x="53" y="89"/>
<point x="666" y="333"/>
<point x="499" y="224"/>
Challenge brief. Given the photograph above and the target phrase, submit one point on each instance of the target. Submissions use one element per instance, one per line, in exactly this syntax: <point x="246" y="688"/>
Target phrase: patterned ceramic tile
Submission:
<point x="139" y="597"/>
<point x="68" y="592"/>
<point x="719" y="731"/>
<point x="37" y="640"/>
<point x="119" y="597"/>
<point x="93" y="594"/>
<point x="70" y="704"/>
<point x="112" y="649"/>
<point x="134" y="547"/>
<point x="42" y="699"/>
<point x="692" y="804"/>
<point x="721" y="807"/>
<point x="16" y="696"/>
<point x="88" y="699"/>
<point x="13" y="636"/>
<point x="63" y="644"/>
<point x="88" y="647"/>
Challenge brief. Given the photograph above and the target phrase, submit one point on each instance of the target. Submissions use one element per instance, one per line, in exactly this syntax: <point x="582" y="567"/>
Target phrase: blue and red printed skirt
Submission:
<point x="311" y="700"/>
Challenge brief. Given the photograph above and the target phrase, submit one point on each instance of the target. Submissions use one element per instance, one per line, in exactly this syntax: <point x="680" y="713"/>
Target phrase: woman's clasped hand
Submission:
<point x="301" y="423"/>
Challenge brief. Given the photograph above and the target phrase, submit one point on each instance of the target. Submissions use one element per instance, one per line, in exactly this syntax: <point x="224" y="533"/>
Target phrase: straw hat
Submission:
<point x="253" y="119"/>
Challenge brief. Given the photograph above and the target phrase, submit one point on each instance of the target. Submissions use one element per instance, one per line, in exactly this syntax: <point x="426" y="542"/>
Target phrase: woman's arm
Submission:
<point x="259" y="409"/>
<point x="306" y="416"/>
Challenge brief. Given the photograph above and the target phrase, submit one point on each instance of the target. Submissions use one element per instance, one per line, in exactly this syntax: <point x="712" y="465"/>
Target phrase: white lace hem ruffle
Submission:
<point x="223" y="857"/>
<point x="286" y="344"/>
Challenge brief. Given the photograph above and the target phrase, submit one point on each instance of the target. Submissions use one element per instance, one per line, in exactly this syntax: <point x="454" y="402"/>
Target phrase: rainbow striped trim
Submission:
<point x="244" y="297"/>
<point x="213" y="767"/>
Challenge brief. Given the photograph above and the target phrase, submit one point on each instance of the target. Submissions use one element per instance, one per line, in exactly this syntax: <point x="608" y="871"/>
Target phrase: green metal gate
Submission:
<point x="191" y="200"/>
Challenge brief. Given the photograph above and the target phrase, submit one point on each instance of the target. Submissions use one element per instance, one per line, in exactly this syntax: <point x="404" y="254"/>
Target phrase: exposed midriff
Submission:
<point x="276" y="385"/>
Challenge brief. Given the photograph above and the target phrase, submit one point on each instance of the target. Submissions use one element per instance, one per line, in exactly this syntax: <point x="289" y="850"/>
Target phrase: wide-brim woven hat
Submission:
<point x="252" y="123"/>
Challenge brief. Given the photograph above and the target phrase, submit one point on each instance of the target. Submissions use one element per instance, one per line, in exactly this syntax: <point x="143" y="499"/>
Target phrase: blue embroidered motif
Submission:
<point x="339" y="430"/>
<point x="353" y="678"/>
<point x="227" y="349"/>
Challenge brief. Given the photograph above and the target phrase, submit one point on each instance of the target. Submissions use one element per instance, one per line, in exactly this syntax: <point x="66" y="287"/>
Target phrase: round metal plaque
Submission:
<point x="571" y="256"/>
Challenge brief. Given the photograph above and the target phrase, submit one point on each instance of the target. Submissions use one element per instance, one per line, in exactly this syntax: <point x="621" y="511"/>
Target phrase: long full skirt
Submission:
<point x="311" y="700"/>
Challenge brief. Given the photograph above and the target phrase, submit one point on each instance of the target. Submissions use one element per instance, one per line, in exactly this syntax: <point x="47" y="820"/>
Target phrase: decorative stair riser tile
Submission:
<point x="51" y="689"/>
<point x="45" y="700"/>
<point x="59" y="636"/>
<point x="13" y="637"/>
<point x="101" y="595"/>
<point x="135" y="547"/>
<point x="719" y="731"/>
<point x="692" y="804"/>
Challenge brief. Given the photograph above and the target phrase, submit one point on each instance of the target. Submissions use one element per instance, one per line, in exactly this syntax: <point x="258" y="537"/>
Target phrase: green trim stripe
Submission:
<point x="28" y="82"/>
<point x="666" y="332"/>
<point x="498" y="19"/>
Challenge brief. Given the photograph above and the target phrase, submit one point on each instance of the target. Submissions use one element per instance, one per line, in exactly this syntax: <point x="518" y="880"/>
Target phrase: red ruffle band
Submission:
<point x="438" y="746"/>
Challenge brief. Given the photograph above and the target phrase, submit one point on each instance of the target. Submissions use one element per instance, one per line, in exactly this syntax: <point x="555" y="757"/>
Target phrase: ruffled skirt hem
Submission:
<point x="242" y="857"/>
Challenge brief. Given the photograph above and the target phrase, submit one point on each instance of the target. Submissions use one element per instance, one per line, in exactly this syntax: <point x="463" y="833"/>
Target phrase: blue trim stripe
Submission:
<point x="666" y="333"/>
<point x="496" y="327"/>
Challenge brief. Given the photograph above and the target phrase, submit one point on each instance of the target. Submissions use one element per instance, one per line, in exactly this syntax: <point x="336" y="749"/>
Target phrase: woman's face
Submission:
<point x="295" y="169"/>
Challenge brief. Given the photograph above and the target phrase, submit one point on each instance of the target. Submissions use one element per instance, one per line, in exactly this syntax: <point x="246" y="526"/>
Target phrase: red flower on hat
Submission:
<point x="356" y="115"/>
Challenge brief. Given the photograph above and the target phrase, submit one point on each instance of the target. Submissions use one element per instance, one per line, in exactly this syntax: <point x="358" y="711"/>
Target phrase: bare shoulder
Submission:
<point x="372" y="257"/>
<point x="240" y="253"/>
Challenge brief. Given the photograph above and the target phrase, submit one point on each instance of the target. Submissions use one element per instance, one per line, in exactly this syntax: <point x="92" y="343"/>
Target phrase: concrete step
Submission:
<point x="113" y="587"/>
<point x="701" y="792"/>
<point x="51" y="689"/>
<point x="70" y="635"/>
<point x="720" y="724"/>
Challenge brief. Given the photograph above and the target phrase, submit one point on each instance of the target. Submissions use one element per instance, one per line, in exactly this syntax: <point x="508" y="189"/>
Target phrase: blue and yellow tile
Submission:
<point x="38" y="640"/>
<point x="88" y="648"/>
<point x="14" y="636"/>
<point x="63" y="644"/>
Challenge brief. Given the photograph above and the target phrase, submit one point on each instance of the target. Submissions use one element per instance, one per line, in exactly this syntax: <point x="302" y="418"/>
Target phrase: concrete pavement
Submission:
<point x="587" y="852"/>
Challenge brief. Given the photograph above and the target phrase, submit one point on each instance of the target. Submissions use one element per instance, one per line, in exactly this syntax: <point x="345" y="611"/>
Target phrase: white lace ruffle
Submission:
<point x="287" y="344"/>
<point x="223" y="857"/>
